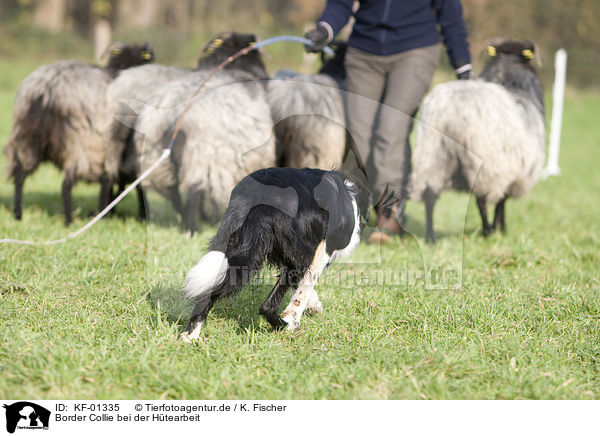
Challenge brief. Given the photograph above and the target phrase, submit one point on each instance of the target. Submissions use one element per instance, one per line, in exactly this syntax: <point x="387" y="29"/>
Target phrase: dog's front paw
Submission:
<point x="292" y="326"/>
<point x="315" y="308"/>
<point x="290" y="319"/>
<point x="189" y="338"/>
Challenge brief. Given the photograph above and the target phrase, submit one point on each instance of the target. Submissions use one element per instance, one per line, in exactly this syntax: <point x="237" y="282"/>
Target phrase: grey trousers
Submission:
<point x="383" y="95"/>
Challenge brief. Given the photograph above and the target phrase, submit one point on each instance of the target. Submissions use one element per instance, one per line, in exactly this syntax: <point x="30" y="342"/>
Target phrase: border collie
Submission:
<point x="299" y="220"/>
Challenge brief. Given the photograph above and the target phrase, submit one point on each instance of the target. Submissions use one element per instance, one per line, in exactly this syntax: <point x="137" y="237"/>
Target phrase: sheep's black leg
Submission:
<point x="487" y="228"/>
<point x="106" y="186"/>
<point x="121" y="186"/>
<point x="67" y="186"/>
<point x="499" y="216"/>
<point x="175" y="199"/>
<point x="270" y="308"/>
<point x="19" y="177"/>
<point x="191" y="208"/>
<point x="142" y="213"/>
<point x="429" y="197"/>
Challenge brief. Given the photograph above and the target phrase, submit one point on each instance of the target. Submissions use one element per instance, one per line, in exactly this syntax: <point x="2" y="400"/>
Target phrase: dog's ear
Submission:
<point x="332" y="196"/>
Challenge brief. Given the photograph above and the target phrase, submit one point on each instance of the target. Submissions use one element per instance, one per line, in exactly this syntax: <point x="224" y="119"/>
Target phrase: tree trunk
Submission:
<point x="139" y="13"/>
<point x="50" y="15"/>
<point x="102" y="38"/>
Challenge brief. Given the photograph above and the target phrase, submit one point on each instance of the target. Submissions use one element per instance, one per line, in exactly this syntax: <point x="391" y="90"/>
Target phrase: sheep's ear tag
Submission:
<point x="528" y="54"/>
<point x="115" y="51"/>
<point x="491" y="50"/>
<point x="146" y="56"/>
<point x="217" y="42"/>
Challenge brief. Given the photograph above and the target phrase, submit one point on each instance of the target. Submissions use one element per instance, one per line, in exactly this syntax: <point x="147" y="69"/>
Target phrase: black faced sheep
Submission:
<point x="60" y="115"/>
<point x="136" y="88"/>
<point x="308" y="111"/>
<point x="486" y="135"/>
<point x="226" y="134"/>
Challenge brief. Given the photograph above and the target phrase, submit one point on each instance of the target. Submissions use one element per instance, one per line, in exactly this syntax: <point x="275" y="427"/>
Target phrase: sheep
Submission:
<point x="308" y="111"/>
<point x="485" y="135"/>
<point x="60" y="116"/>
<point x="226" y="134"/>
<point x="135" y="88"/>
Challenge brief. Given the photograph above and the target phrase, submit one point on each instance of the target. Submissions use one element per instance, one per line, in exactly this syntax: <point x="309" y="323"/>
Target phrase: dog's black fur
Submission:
<point x="280" y="216"/>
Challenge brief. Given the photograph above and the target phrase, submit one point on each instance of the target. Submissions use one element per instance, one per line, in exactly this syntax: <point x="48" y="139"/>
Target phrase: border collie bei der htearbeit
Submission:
<point x="297" y="220"/>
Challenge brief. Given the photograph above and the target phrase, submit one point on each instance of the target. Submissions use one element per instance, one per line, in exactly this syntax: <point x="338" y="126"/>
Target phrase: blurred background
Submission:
<point x="45" y="30"/>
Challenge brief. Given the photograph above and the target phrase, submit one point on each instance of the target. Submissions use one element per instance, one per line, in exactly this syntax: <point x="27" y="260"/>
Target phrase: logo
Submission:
<point x="25" y="415"/>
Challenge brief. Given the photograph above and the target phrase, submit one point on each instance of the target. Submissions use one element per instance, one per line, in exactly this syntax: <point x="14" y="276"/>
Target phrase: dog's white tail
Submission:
<point x="206" y="274"/>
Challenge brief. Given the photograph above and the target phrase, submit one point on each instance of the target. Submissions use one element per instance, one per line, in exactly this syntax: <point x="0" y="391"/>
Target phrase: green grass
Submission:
<point x="100" y="316"/>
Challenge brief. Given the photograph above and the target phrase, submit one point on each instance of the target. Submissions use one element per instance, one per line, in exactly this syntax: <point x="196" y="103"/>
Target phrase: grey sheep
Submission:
<point x="60" y="115"/>
<point x="226" y="134"/>
<point x="486" y="136"/>
<point x="308" y="112"/>
<point x="136" y="88"/>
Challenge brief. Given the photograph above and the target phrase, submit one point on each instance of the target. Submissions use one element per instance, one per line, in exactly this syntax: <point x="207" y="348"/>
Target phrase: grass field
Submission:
<point x="100" y="316"/>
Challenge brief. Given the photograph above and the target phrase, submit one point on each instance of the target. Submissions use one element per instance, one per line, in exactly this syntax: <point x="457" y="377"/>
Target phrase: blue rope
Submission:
<point x="290" y="38"/>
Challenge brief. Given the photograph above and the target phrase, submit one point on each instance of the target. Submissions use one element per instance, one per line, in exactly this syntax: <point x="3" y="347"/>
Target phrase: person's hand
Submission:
<point x="465" y="72"/>
<point x="319" y="36"/>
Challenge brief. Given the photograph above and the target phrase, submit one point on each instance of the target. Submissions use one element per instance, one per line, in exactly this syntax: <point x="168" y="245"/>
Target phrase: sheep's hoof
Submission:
<point x="486" y="232"/>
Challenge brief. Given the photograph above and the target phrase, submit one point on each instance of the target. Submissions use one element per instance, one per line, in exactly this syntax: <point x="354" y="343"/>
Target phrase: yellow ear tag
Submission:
<point x="217" y="42"/>
<point x="146" y="56"/>
<point x="528" y="54"/>
<point x="491" y="50"/>
<point x="116" y="51"/>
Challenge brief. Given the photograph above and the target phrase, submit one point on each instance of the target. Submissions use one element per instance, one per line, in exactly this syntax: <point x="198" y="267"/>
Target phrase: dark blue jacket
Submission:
<point x="385" y="27"/>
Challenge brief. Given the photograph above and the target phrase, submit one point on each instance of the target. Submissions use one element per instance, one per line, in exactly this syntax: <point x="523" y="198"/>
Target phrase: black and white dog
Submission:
<point x="297" y="220"/>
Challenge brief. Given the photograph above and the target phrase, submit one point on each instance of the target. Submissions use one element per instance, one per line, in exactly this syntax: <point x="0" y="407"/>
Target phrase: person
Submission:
<point x="392" y="54"/>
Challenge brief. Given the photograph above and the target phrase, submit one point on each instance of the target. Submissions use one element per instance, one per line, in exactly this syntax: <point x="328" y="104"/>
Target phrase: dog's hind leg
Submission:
<point x="198" y="317"/>
<point x="209" y="283"/>
<point x="270" y="308"/>
<point x="304" y="292"/>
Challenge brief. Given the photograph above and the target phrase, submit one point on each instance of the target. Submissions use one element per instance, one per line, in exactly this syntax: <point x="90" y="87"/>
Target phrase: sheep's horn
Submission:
<point x="221" y="35"/>
<point x="118" y="45"/>
<point x="495" y="41"/>
<point x="538" y="55"/>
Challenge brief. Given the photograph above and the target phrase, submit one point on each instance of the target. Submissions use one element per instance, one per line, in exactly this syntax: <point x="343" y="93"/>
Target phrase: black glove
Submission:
<point x="319" y="36"/>
<point x="465" y="72"/>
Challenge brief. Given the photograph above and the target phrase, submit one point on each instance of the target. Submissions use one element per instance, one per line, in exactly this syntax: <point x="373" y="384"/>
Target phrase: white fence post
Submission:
<point x="558" y="94"/>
